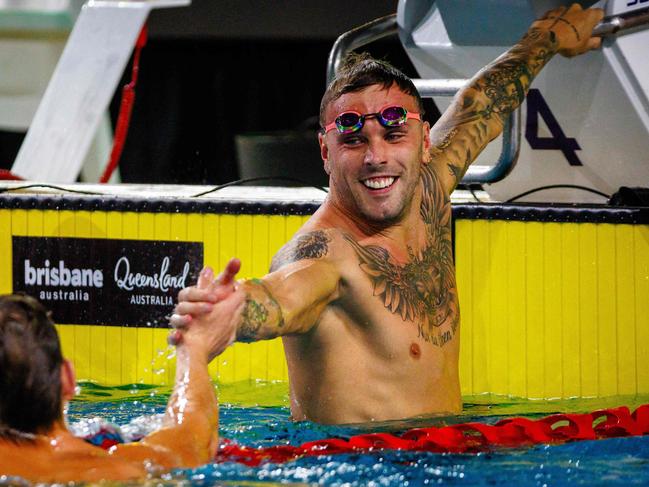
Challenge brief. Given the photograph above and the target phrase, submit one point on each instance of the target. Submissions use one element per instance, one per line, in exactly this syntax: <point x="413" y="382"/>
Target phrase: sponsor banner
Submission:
<point x="90" y="281"/>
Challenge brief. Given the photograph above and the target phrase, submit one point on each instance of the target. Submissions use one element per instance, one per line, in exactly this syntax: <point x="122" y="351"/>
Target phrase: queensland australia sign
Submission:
<point x="107" y="282"/>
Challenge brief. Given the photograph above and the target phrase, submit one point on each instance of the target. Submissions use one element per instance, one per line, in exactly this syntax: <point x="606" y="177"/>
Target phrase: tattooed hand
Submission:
<point x="572" y="27"/>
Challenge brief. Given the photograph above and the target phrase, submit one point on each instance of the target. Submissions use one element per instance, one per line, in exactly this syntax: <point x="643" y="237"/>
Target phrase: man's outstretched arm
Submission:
<point x="289" y="300"/>
<point x="478" y="112"/>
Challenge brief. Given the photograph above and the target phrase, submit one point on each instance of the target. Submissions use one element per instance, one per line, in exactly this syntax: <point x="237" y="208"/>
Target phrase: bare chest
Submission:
<point x="414" y="298"/>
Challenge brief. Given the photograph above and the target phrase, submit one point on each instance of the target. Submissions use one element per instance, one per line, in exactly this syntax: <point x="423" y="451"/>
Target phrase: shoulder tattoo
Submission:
<point x="312" y="245"/>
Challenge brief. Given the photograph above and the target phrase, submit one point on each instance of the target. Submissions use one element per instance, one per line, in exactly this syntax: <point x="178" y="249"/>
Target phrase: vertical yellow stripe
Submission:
<point x="114" y="334"/>
<point x="6" y="253"/>
<point x="19" y="223"/>
<point x="225" y="364"/>
<point x="99" y="345"/>
<point x="167" y="227"/>
<point x="66" y="332"/>
<point x="67" y="223"/>
<point x="99" y="224"/>
<point x="464" y="271"/>
<point x="82" y="224"/>
<point x="293" y="224"/>
<point x="606" y="310"/>
<point x="497" y="338"/>
<point x="552" y="264"/>
<point x="244" y="250"/>
<point x="207" y="229"/>
<point x="160" y="367"/>
<point x="50" y="223"/>
<point x="35" y="223"/>
<point x="130" y="366"/>
<point x="276" y="362"/>
<point x="82" y="346"/>
<point x="260" y="265"/>
<point x="517" y="316"/>
<point x="535" y="311"/>
<point x="179" y="229"/>
<point x="481" y="306"/>
<point x="146" y="231"/>
<point x="641" y="243"/>
<point x="194" y="230"/>
<point x="66" y="337"/>
<point x="588" y="308"/>
<point x="227" y="250"/>
<point x="570" y="322"/>
<point x="624" y="269"/>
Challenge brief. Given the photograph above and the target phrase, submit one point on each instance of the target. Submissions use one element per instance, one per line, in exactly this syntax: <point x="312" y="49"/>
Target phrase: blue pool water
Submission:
<point x="256" y="414"/>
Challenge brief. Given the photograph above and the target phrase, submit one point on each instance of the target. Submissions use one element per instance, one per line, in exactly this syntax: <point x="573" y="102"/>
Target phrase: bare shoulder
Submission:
<point x="314" y="244"/>
<point x="87" y="464"/>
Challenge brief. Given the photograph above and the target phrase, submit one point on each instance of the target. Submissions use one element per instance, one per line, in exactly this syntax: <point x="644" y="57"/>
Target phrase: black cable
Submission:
<point x="552" y="186"/>
<point x="261" y="178"/>
<point x="475" y="196"/>
<point x="50" y="186"/>
<point x="231" y="183"/>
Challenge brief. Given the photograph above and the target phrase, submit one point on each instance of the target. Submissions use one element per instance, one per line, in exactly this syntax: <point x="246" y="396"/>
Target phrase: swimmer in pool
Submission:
<point x="364" y="295"/>
<point x="36" y="382"/>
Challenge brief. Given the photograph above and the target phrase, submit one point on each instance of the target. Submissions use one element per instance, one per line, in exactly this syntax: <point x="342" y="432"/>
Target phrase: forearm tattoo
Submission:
<point x="254" y="316"/>
<point x="312" y="245"/>
<point x="422" y="290"/>
<point x="488" y="101"/>
<point x="262" y="315"/>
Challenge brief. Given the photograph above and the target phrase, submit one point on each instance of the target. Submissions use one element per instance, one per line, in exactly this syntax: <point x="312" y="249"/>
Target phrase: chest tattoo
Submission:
<point x="422" y="290"/>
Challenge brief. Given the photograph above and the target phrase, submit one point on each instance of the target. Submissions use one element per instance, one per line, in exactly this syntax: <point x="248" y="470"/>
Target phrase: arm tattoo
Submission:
<point x="507" y="81"/>
<point x="254" y="315"/>
<point x="312" y="245"/>
<point x="261" y="314"/>
<point x="479" y="111"/>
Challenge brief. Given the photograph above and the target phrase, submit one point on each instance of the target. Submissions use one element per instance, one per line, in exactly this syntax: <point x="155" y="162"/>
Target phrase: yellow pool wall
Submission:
<point x="549" y="310"/>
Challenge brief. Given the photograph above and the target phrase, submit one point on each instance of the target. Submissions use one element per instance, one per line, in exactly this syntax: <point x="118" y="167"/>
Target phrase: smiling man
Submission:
<point x="364" y="295"/>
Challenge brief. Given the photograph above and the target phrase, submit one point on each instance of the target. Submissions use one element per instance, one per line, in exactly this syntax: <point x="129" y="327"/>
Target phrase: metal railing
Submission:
<point x="387" y="26"/>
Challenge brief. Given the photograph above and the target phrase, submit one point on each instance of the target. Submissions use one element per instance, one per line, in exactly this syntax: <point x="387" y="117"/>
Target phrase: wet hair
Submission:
<point x="360" y="70"/>
<point x="30" y="365"/>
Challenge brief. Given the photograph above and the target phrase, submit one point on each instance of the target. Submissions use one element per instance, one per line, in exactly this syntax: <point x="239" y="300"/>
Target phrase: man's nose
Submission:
<point x="376" y="146"/>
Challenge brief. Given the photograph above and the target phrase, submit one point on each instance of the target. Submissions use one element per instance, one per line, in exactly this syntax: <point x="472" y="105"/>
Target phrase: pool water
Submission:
<point x="256" y="414"/>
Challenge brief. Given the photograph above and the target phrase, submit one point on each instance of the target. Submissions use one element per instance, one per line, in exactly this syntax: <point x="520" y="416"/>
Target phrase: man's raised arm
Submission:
<point x="478" y="112"/>
<point x="289" y="300"/>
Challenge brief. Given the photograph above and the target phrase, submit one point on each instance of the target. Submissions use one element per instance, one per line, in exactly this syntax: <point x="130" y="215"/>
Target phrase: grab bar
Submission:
<point x="386" y="26"/>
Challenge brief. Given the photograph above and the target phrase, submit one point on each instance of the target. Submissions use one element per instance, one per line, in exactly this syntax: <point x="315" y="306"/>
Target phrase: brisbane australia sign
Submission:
<point x="105" y="281"/>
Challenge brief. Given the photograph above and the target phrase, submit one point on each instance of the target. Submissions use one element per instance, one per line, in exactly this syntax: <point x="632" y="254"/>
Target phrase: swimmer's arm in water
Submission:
<point x="289" y="300"/>
<point x="189" y="433"/>
<point x="478" y="112"/>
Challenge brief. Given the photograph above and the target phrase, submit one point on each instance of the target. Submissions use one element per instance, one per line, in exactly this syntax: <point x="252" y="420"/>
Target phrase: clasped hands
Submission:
<point x="207" y="314"/>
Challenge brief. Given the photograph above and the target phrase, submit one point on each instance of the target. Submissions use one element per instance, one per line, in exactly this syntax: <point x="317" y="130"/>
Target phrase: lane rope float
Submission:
<point x="459" y="438"/>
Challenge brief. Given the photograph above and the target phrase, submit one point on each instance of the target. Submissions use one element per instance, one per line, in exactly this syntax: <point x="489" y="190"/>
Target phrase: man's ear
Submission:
<point x="68" y="380"/>
<point x="324" y="152"/>
<point x="426" y="142"/>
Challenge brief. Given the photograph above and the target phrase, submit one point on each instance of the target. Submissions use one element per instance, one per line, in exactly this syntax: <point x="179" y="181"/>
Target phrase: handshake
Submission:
<point x="207" y="314"/>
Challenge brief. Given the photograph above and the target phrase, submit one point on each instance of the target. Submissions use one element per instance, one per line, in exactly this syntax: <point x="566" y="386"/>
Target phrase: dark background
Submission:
<point x="224" y="67"/>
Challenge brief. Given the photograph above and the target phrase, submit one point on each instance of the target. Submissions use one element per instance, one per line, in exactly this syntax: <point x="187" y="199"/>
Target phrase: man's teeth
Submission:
<point x="379" y="183"/>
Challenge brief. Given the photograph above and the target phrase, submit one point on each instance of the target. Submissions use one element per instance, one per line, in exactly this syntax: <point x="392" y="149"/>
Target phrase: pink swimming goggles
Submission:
<point x="391" y="116"/>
